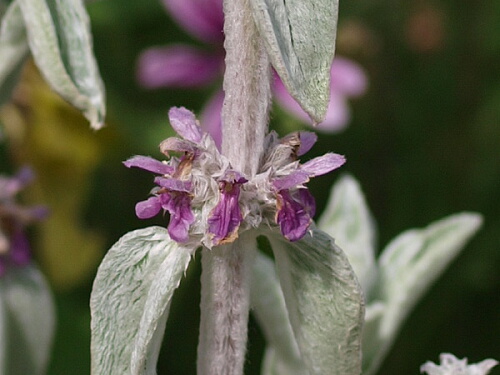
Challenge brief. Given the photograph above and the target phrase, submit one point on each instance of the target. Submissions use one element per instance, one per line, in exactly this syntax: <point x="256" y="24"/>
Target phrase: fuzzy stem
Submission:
<point x="247" y="90"/>
<point x="225" y="281"/>
<point x="225" y="304"/>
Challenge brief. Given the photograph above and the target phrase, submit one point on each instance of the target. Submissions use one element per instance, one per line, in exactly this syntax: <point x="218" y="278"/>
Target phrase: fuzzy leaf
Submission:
<point x="299" y="37"/>
<point x="13" y="49"/>
<point x="282" y="357"/>
<point x="407" y="268"/>
<point x="28" y="321"/>
<point x="61" y="43"/>
<point x="130" y="301"/>
<point x="348" y="220"/>
<point x="324" y="302"/>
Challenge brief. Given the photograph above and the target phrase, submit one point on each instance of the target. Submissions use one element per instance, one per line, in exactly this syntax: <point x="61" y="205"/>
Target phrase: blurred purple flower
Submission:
<point x="14" y="245"/>
<point x="348" y="80"/>
<point x="183" y="66"/>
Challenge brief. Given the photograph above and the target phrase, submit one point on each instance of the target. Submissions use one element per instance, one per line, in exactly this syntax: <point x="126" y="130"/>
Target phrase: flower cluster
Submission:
<point x="210" y="202"/>
<point x="14" y="246"/>
<point x="185" y="66"/>
<point x="451" y="365"/>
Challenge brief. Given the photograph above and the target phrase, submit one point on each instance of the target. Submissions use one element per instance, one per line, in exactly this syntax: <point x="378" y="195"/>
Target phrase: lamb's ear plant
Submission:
<point x="392" y="284"/>
<point x="407" y="267"/>
<point x="57" y="34"/>
<point x="220" y="202"/>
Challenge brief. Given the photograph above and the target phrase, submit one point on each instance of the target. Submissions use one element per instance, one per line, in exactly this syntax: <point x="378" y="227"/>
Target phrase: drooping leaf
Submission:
<point x="13" y="49"/>
<point x="348" y="220"/>
<point x="407" y="268"/>
<point x="61" y="43"/>
<point x="282" y="356"/>
<point x="324" y="302"/>
<point x="28" y="321"/>
<point x="130" y="301"/>
<point x="299" y="37"/>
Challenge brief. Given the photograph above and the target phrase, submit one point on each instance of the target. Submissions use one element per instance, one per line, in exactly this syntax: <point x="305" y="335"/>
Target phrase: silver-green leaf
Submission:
<point x="407" y="268"/>
<point x="60" y="41"/>
<point x="347" y="218"/>
<point x="299" y="37"/>
<point x="130" y="301"/>
<point x="282" y="356"/>
<point x="13" y="49"/>
<point x="324" y="302"/>
<point x="27" y="321"/>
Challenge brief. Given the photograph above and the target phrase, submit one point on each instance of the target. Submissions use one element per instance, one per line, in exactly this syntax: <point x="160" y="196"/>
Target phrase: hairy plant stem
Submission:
<point x="225" y="304"/>
<point x="227" y="268"/>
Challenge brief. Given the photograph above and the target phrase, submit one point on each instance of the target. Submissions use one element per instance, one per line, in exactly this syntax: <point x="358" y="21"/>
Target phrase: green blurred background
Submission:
<point x="424" y="142"/>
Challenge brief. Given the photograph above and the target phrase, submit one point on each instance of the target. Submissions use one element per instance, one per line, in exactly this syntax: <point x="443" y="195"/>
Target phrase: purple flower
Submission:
<point x="210" y="202"/>
<point x="14" y="246"/>
<point x="225" y="218"/>
<point x="174" y="186"/>
<point x="295" y="206"/>
<point x="294" y="213"/>
<point x="186" y="66"/>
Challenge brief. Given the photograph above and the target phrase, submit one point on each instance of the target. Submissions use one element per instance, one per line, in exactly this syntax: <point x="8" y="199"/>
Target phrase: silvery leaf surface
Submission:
<point x="282" y="356"/>
<point x="60" y="41"/>
<point x="13" y="49"/>
<point x="299" y="37"/>
<point x="28" y="321"/>
<point x="324" y="302"/>
<point x="407" y="268"/>
<point x="130" y="301"/>
<point x="347" y="218"/>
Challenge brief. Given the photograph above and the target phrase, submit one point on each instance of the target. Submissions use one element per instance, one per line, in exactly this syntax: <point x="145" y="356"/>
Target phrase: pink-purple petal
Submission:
<point x="337" y="115"/>
<point x="181" y="216"/>
<point x="204" y="19"/>
<point x="292" y="217"/>
<point x="225" y="218"/>
<point x="323" y="164"/>
<point x="149" y="164"/>
<point x="298" y="177"/>
<point x="348" y="77"/>
<point x="177" y="66"/>
<point x="306" y="199"/>
<point x="185" y="124"/>
<point x="307" y="140"/>
<point x="173" y="184"/>
<point x="177" y="144"/>
<point x="148" y="208"/>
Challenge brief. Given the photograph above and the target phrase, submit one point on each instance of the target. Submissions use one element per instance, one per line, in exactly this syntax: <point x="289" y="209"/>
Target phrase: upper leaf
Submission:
<point x="324" y="302"/>
<point x="407" y="268"/>
<point x="27" y="322"/>
<point x="61" y="43"/>
<point x="299" y="37"/>
<point x="348" y="220"/>
<point x="130" y="300"/>
<point x="13" y="49"/>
